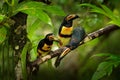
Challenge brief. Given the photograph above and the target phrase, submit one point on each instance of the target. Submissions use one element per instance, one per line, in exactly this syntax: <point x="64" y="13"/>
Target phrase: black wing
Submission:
<point x="77" y="36"/>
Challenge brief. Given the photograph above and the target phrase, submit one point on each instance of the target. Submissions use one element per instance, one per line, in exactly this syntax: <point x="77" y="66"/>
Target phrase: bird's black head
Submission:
<point x="50" y="37"/>
<point x="68" y="19"/>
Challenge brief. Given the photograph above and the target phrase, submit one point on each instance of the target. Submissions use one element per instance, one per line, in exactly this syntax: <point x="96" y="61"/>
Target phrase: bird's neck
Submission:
<point x="67" y="23"/>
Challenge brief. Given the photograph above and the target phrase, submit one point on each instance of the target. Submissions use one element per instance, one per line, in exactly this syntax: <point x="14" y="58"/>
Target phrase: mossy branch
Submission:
<point x="89" y="37"/>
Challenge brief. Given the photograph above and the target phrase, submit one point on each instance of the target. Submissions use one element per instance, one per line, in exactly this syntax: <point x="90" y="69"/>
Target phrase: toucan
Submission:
<point x="69" y="37"/>
<point x="44" y="48"/>
<point x="66" y="29"/>
<point x="45" y="45"/>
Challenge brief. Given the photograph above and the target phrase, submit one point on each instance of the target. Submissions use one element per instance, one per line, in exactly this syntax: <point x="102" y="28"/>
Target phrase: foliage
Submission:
<point x="1" y="17"/>
<point x="39" y="11"/>
<point x="48" y="17"/>
<point x="115" y="19"/>
<point x="112" y="61"/>
<point x="106" y="67"/>
<point x="3" y="33"/>
<point x="23" y="59"/>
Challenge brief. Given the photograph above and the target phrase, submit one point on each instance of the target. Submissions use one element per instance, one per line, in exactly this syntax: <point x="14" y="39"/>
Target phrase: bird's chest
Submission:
<point x="46" y="47"/>
<point x="66" y="30"/>
<point x="44" y="50"/>
<point x="64" y="40"/>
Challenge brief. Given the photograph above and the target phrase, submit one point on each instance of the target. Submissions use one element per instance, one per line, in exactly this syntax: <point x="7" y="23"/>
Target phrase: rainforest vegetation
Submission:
<point x="23" y="23"/>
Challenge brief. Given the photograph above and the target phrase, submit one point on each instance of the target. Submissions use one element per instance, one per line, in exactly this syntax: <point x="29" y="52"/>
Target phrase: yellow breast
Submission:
<point x="64" y="41"/>
<point x="42" y="53"/>
<point x="46" y="47"/>
<point x="66" y="30"/>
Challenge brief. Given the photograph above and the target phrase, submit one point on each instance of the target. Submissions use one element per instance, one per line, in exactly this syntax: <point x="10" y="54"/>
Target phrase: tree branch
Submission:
<point x="89" y="37"/>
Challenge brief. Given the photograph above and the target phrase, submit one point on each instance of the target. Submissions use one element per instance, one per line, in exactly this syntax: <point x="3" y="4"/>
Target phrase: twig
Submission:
<point x="89" y="37"/>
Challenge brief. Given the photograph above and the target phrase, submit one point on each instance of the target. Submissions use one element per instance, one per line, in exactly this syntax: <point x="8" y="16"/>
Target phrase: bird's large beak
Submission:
<point x="51" y="37"/>
<point x="72" y="17"/>
<point x="54" y="38"/>
<point x="75" y="16"/>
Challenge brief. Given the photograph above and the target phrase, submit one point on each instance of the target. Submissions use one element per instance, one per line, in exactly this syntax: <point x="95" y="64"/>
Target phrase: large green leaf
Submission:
<point x="33" y="54"/>
<point x="115" y="19"/>
<point x="104" y="69"/>
<point x="38" y="9"/>
<point x="94" y="8"/>
<point x="2" y="17"/>
<point x="23" y="60"/>
<point x="34" y="9"/>
<point x="3" y="33"/>
<point x="32" y="28"/>
<point x="30" y="4"/>
<point x="105" y="11"/>
<point x="39" y="14"/>
<point x="103" y="55"/>
<point x="108" y="12"/>
<point x="30" y="21"/>
<point x="109" y="56"/>
<point x="116" y="22"/>
<point x="54" y="9"/>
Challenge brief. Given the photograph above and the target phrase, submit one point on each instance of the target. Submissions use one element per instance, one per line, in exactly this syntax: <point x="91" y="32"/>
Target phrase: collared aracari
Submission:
<point x="78" y="35"/>
<point x="45" y="45"/>
<point x="44" y="48"/>
<point x="66" y="29"/>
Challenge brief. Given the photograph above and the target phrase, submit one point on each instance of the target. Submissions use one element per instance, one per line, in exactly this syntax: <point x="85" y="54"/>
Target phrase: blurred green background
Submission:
<point x="98" y="59"/>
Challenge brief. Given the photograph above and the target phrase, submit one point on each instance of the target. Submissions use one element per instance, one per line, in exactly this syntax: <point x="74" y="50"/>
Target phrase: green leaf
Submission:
<point x="117" y="22"/>
<point x="33" y="54"/>
<point x="23" y="60"/>
<point x="109" y="13"/>
<point x="30" y="21"/>
<point x="39" y="14"/>
<point x="105" y="11"/>
<point x="104" y="68"/>
<point x="115" y="19"/>
<point x="109" y="56"/>
<point x="94" y="8"/>
<point x="3" y="33"/>
<point x="103" y="54"/>
<point x="32" y="28"/>
<point x="35" y="9"/>
<point x="2" y="17"/>
<point x="30" y="4"/>
<point x="113" y="58"/>
<point x="54" y="9"/>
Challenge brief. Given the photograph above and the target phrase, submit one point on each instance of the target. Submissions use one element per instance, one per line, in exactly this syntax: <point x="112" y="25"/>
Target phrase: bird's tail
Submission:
<point x="61" y="56"/>
<point x="57" y="62"/>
